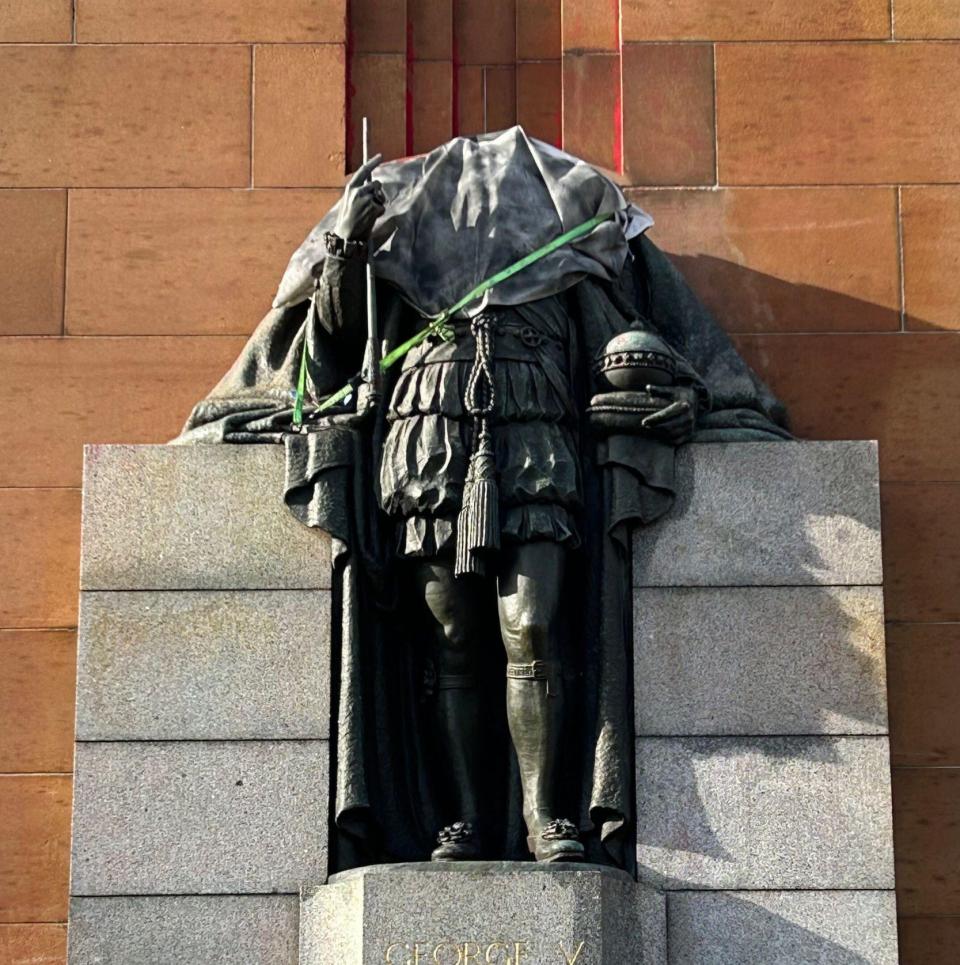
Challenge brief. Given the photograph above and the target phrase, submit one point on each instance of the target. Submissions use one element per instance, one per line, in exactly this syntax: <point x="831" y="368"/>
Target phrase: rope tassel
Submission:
<point x="478" y="524"/>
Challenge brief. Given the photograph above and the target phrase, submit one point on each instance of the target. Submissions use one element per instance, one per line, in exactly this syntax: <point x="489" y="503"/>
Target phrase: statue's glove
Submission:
<point x="362" y="203"/>
<point x="676" y="421"/>
<point x="356" y="413"/>
<point x="661" y="412"/>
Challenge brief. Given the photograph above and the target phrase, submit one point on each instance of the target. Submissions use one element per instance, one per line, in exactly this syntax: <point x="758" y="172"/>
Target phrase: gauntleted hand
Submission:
<point x="675" y="422"/>
<point x="355" y="412"/>
<point x="362" y="203"/>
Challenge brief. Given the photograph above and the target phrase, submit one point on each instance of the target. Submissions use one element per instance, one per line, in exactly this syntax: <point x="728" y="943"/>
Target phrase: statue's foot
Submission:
<point x="558" y="840"/>
<point x="457" y="842"/>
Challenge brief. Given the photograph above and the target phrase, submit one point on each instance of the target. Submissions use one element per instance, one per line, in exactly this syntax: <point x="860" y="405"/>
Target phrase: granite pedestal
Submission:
<point x="482" y="912"/>
<point x="204" y="741"/>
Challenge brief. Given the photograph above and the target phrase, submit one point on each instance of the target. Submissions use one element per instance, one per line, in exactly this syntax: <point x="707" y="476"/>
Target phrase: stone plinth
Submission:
<point x="767" y="514"/>
<point x="504" y="913"/>
<point x="199" y="817"/>
<point x="783" y="928"/>
<point x="194" y="518"/>
<point x="760" y="660"/>
<point x="764" y="812"/>
<point x="204" y="664"/>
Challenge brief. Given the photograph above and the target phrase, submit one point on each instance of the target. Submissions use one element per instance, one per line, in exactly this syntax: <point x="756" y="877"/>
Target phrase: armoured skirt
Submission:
<point x="533" y="426"/>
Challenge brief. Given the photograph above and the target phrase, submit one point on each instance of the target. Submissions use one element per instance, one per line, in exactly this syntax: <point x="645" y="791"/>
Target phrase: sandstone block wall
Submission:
<point x="800" y="160"/>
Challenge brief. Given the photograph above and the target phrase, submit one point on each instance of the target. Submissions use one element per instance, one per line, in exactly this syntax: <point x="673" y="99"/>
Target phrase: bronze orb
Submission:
<point x="633" y="360"/>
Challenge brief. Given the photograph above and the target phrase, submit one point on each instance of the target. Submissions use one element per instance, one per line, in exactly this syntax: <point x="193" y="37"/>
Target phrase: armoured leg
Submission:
<point x="529" y="605"/>
<point x="457" y="708"/>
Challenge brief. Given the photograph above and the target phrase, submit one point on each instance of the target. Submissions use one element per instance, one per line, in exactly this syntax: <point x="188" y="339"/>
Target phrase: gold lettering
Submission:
<point x="388" y="954"/>
<point x="469" y="956"/>
<point x="519" y="950"/>
<point x="576" y="954"/>
<point x="448" y="961"/>
<point x="492" y="949"/>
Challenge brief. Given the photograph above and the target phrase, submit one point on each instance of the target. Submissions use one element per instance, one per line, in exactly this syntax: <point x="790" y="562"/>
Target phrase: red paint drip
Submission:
<point x="618" y="103"/>
<point x="618" y="124"/>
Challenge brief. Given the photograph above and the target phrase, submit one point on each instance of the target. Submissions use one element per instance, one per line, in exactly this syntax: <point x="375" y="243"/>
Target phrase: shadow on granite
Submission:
<point x="782" y="928"/>
<point x="761" y="699"/>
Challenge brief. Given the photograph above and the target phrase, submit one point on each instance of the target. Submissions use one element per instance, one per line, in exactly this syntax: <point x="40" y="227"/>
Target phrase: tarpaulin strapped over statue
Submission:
<point x="530" y="377"/>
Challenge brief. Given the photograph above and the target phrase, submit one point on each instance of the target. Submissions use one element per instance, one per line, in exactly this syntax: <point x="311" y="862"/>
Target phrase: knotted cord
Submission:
<point x="478" y="525"/>
<point x="480" y="395"/>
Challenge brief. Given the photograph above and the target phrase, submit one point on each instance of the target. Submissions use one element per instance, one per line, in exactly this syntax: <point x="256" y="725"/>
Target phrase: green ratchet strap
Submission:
<point x="301" y="380"/>
<point x="437" y="325"/>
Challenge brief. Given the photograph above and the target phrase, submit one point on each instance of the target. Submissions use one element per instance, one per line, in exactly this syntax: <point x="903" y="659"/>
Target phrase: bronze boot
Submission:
<point x="535" y="716"/>
<point x="458" y="730"/>
<point x="457" y="842"/>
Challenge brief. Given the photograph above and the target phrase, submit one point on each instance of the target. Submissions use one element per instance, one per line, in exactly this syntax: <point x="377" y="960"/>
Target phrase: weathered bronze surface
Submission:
<point x="480" y="503"/>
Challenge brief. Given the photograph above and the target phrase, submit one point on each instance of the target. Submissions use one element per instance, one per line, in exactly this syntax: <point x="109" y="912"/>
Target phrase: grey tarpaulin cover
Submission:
<point x="454" y="217"/>
<point x="459" y="214"/>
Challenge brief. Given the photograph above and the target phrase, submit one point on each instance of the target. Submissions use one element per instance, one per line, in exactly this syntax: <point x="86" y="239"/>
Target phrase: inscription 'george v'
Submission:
<point x="480" y="953"/>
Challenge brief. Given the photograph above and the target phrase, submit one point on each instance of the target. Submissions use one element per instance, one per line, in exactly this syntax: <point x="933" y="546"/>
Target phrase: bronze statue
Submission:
<point x="488" y="491"/>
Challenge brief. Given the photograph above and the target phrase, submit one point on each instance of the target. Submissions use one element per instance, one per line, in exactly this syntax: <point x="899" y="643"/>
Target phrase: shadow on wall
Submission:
<point x="816" y="561"/>
<point x="842" y="693"/>
<point x="749" y="301"/>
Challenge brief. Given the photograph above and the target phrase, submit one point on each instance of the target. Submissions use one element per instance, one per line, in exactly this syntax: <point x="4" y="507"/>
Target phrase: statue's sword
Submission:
<point x="369" y="379"/>
<point x="371" y="356"/>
